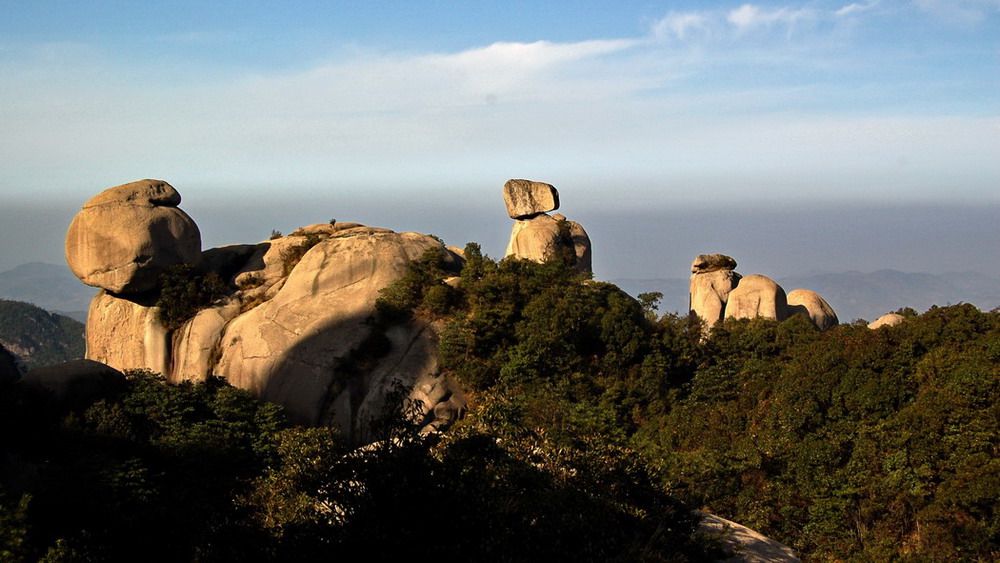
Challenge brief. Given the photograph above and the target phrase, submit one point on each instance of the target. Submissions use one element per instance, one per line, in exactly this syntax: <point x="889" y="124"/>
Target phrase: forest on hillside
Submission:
<point x="595" y="426"/>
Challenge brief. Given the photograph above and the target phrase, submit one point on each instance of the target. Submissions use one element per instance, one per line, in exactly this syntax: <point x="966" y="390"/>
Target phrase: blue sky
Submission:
<point x="431" y="106"/>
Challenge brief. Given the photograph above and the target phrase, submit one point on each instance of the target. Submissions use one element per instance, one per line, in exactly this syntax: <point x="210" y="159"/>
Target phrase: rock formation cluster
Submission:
<point x="718" y="292"/>
<point x="537" y="235"/>
<point x="295" y="326"/>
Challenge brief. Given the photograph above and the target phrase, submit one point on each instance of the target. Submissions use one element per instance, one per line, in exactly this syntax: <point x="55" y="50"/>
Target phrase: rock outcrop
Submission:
<point x="538" y="236"/>
<point x="712" y="279"/>
<point x="810" y="304"/>
<point x="891" y="319"/>
<point x="757" y="296"/>
<point x="717" y="292"/>
<point x="297" y="327"/>
<point x="126" y="236"/>
<point x="525" y="198"/>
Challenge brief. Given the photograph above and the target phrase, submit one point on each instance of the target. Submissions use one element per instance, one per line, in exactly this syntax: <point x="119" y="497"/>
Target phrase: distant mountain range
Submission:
<point x="856" y="295"/>
<point x="51" y="287"/>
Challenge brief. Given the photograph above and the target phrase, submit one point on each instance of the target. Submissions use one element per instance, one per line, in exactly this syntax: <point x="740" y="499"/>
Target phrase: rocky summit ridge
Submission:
<point x="293" y="318"/>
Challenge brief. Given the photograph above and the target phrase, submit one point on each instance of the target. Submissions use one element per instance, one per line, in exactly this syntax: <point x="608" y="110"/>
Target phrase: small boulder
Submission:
<point x="525" y="198"/>
<point x="892" y="319"/>
<point x="126" y="236"/>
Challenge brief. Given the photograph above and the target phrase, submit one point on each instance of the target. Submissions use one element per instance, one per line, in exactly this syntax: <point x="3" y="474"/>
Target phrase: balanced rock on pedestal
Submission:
<point x="126" y="236"/>
<point x="525" y="198"/>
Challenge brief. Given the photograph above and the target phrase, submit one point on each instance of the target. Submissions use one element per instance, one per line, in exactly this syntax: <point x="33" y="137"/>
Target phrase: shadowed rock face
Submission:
<point x="126" y="236"/>
<point x="525" y="198"/>
<point x="76" y="384"/>
<point x="757" y="296"/>
<point x="811" y="305"/>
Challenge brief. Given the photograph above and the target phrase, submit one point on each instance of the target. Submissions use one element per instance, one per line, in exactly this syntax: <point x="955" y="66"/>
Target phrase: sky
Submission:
<point x="795" y="136"/>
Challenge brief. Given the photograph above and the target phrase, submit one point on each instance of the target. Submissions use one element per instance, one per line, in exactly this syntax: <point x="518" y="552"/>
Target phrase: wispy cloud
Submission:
<point x="725" y="92"/>
<point x="680" y="25"/>
<point x="856" y="8"/>
<point x="750" y="16"/>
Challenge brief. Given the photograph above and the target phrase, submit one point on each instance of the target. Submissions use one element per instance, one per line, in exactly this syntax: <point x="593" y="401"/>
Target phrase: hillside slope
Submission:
<point x="38" y="337"/>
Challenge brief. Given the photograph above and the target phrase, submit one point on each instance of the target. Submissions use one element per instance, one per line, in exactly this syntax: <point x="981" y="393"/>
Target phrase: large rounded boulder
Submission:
<point x="757" y="296"/>
<point x="544" y="236"/>
<point x="126" y="236"/>
<point x="809" y="304"/>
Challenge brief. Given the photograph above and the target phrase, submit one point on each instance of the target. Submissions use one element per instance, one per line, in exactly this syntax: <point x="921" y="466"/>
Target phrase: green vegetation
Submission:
<point x="37" y="336"/>
<point x="594" y="427"/>
<point x="848" y="444"/>
<point x="185" y="290"/>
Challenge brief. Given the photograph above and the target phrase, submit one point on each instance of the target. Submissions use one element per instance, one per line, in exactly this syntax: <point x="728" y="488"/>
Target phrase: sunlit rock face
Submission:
<point x="298" y="331"/>
<point x="126" y="236"/>
<point x="757" y="296"/>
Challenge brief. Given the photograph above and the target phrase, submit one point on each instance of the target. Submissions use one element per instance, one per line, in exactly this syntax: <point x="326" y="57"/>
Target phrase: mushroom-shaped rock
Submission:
<point x="891" y="319"/>
<point x="525" y="198"/>
<point x="712" y="278"/>
<point x="126" y="236"/>
<point x="543" y="236"/>
<point x="810" y="304"/>
<point x="757" y="296"/>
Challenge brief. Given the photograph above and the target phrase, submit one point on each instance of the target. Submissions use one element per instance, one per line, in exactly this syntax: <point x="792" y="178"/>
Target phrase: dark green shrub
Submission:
<point x="185" y="290"/>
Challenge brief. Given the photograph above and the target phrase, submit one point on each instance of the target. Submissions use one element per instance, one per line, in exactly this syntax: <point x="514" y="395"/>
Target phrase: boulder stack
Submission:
<point x="126" y="236"/>
<point x="295" y="324"/>
<point x="538" y="236"/>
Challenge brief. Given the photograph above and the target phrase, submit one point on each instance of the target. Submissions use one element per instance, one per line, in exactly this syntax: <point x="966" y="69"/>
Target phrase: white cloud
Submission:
<point x="749" y="16"/>
<point x="856" y="8"/>
<point x="680" y="25"/>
